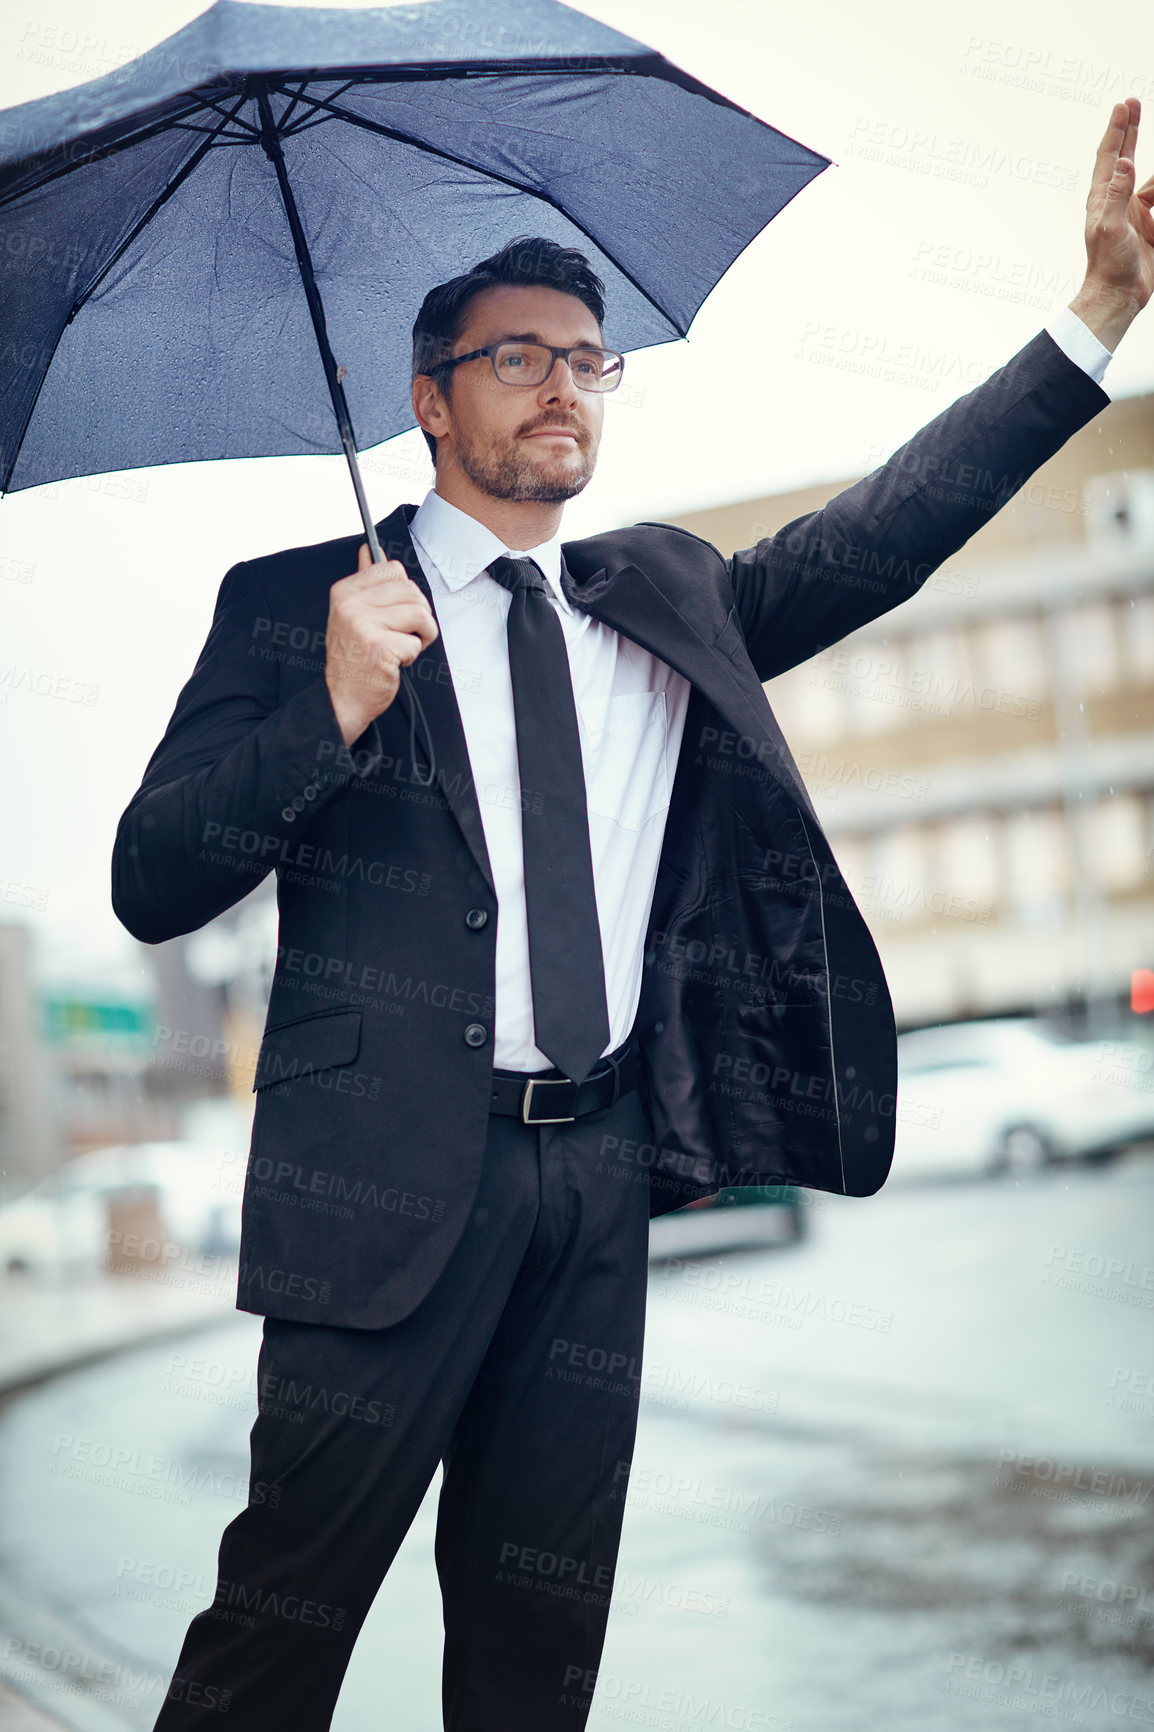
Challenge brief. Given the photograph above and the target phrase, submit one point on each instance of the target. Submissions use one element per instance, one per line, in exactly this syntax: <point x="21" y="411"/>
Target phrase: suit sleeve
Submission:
<point x="876" y="543"/>
<point x="231" y="780"/>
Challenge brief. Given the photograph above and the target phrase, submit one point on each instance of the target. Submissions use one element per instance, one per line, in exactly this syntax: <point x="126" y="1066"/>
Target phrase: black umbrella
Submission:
<point x="188" y="245"/>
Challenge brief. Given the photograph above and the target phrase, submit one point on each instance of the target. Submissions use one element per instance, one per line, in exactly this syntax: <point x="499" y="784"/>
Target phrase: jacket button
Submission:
<point x="288" y="814"/>
<point x="476" y="1034"/>
<point x="476" y="918"/>
<point x="298" y="803"/>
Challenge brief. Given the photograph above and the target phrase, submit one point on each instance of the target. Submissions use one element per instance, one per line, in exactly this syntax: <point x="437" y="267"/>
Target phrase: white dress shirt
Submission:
<point x="630" y="715"/>
<point x="1078" y="342"/>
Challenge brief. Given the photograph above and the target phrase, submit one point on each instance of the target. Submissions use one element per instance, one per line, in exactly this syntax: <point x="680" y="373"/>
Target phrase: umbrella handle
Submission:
<point x="270" y="140"/>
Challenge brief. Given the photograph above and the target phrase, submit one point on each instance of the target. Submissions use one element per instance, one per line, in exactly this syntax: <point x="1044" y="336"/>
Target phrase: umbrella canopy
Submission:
<point x="155" y="296"/>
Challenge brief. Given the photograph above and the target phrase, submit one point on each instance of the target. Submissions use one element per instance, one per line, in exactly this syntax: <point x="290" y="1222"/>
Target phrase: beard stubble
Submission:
<point x="512" y="474"/>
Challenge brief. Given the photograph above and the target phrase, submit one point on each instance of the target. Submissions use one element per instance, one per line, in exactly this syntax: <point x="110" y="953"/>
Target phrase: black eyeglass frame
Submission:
<point x="557" y="354"/>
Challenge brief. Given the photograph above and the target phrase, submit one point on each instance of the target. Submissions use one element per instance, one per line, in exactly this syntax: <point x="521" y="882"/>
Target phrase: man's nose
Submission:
<point x="558" y="384"/>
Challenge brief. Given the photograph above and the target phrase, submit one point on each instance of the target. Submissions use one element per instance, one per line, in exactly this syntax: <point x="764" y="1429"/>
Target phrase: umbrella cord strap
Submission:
<point x="417" y="711"/>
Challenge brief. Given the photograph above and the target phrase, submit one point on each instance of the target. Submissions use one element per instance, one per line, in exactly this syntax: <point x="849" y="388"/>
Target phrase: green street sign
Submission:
<point x="72" y="1019"/>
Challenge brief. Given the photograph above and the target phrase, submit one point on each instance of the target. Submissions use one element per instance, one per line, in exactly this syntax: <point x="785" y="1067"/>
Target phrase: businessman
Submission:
<point x="562" y="946"/>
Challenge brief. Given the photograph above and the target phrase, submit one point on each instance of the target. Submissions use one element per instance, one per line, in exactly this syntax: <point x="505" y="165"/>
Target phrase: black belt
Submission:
<point x="541" y="1098"/>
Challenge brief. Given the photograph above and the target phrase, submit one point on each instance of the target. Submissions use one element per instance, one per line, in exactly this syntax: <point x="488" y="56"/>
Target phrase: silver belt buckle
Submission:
<point x="526" y="1099"/>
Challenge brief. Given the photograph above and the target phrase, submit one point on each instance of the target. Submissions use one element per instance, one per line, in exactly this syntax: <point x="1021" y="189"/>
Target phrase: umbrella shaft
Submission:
<point x="358" y="486"/>
<point x="272" y="148"/>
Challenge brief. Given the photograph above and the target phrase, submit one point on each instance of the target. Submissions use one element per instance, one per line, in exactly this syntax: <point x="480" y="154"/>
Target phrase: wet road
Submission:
<point x="900" y="1474"/>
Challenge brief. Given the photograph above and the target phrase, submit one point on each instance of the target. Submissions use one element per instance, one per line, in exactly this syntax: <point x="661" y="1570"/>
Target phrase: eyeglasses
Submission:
<point x="531" y="364"/>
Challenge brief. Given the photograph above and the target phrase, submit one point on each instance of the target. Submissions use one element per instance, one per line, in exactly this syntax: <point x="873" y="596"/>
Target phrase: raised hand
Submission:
<point x="1119" y="232"/>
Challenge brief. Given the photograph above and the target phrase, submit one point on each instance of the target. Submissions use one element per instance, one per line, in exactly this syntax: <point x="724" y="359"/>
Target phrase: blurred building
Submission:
<point x="156" y="1047"/>
<point x="98" y="1029"/>
<point x="982" y="756"/>
<point x="210" y="994"/>
<point x="29" y="1130"/>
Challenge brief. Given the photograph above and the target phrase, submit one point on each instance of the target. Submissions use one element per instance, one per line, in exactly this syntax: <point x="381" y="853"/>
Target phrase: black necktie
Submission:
<point x="570" y="1016"/>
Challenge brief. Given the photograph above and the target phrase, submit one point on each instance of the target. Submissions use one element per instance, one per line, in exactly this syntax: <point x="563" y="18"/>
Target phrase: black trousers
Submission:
<point x="521" y="1372"/>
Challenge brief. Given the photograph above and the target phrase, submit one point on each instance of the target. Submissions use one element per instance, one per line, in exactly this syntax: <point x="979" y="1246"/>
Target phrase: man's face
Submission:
<point x="523" y="442"/>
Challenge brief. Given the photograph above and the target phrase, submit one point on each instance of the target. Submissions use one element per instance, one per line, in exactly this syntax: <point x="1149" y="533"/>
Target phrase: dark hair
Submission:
<point x="523" y="262"/>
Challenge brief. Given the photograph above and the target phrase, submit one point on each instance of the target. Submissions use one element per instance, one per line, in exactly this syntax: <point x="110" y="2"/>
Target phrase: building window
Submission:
<point x="1037" y="865"/>
<point x="939" y="672"/>
<point x="964" y="867"/>
<point x="1136" y="629"/>
<point x="1120" y="509"/>
<point x="809" y="703"/>
<point x="1113" y="836"/>
<point x="894" y="885"/>
<point x="1087" y="646"/>
<point x="867" y="673"/>
<point x="1011" y="658"/>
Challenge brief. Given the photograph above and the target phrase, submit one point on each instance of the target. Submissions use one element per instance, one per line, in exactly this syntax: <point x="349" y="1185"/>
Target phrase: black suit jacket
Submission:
<point x="766" y="1028"/>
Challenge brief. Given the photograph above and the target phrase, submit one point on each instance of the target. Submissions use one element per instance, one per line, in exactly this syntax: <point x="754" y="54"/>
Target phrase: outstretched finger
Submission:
<point x="1130" y="137"/>
<point x="1110" y="147"/>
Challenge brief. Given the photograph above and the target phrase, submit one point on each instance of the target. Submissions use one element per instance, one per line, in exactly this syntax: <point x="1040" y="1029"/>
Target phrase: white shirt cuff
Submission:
<point x="1078" y="341"/>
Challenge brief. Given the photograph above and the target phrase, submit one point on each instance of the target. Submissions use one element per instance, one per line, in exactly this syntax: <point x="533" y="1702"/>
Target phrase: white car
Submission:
<point x="1010" y="1093"/>
<point x="61" y="1226"/>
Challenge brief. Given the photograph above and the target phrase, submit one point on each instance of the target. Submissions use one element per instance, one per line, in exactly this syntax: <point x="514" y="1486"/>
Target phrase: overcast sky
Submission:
<point x="945" y="235"/>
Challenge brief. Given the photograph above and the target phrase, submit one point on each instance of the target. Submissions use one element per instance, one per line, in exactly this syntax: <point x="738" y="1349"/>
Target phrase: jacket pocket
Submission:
<point x="307" y="1044"/>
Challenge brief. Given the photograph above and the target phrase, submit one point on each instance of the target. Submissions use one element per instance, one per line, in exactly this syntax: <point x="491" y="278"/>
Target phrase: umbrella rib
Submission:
<point x="393" y="75"/>
<point x="492" y="174"/>
<point x="284" y="119"/>
<point x="231" y="114"/>
<point x="98" y="152"/>
<point x="442" y="71"/>
<point x="283" y="126"/>
<point x="212" y="131"/>
<point x="300" y="126"/>
<point x="157" y="204"/>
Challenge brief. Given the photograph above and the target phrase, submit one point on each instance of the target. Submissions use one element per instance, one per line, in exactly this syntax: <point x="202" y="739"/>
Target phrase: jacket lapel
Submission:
<point x="625" y="597"/>
<point x="620" y="594"/>
<point x="434" y="686"/>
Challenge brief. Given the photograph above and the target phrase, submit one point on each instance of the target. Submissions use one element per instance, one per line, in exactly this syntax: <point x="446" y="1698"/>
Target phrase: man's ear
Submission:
<point x="429" y="406"/>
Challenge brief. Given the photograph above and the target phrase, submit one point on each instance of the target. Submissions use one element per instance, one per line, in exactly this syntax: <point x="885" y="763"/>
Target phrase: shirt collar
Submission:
<point x="460" y="547"/>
